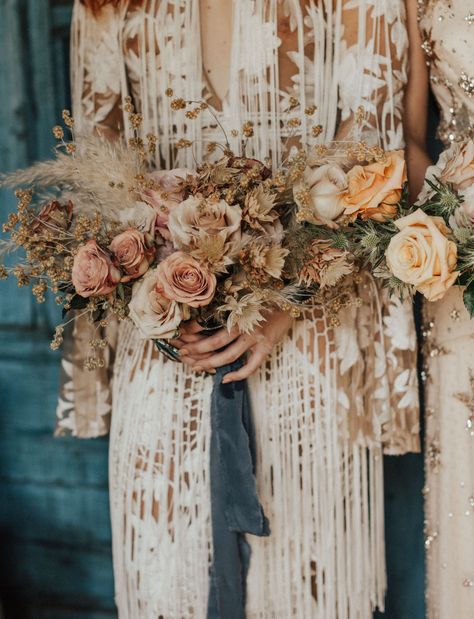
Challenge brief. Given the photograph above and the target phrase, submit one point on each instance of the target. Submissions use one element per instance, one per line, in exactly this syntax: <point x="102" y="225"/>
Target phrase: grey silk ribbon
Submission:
<point x="235" y="508"/>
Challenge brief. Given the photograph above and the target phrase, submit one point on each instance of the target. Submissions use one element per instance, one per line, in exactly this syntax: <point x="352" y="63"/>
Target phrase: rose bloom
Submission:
<point x="196" y="215"/>
<point x="133" y="252"/>
<point x="321" y="193"/>
<point x="421" y="255"/>
<point x="375" y="189"/>
<point x="93" y="272"/>
<point x="184" y="280"/>
<point x="457" y="165"/>
<point x="166" y="196"/>
<point x="154" y="315"/>
<point x="53" y="215"/>
<point x="140" y="216"/>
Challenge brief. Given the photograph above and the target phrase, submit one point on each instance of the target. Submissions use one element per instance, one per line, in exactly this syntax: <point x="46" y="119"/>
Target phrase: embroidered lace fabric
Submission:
<point x="448" y="32"/>
<point x="330" y="399"/>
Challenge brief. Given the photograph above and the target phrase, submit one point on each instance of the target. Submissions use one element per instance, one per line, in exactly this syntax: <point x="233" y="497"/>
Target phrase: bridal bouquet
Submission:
<point x="429" y="247"/>
<point x="221" y="244"/>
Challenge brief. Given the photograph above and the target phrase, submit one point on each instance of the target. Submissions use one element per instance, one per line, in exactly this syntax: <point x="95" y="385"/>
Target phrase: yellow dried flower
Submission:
<point x="58" y="132"/>
<point x="178" y="104"/>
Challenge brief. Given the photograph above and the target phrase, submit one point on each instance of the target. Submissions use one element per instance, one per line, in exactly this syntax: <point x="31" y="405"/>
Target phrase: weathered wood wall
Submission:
<point x="54" y="526"/>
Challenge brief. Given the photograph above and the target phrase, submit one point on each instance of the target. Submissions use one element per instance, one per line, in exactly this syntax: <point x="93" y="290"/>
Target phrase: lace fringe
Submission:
<point x="323" y="494"/>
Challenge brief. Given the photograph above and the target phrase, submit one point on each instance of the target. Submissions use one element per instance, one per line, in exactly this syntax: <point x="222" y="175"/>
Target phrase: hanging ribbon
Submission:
<point x="235" y="508"/>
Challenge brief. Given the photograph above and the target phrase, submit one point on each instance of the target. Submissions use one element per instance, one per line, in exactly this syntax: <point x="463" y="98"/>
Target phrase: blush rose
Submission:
<point x="184" y="280"/>
<point x="133" y="252"/>
<point x="93" y="272"/>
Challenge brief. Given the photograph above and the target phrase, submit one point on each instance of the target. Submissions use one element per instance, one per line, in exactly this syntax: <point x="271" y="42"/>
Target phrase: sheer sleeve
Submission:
<point x="373" y="70"/>
<point x="85" y="396"/>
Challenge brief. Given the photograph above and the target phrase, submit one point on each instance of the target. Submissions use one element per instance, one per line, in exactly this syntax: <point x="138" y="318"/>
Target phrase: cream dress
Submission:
<point x="448" y="40"/>
<point x="341" y="388"/>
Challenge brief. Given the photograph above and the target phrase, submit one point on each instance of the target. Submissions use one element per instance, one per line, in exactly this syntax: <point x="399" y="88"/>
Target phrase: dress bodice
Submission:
<point x="447" y="29"/>
<point x="333" y="56"/>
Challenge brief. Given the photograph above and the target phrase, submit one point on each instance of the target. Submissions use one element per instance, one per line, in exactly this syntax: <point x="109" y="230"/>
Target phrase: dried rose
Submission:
<point x="181" y="278"/>
<point x="93" y="272"/>
<point x="53" y="215"/>
<point x="133" y="252"/>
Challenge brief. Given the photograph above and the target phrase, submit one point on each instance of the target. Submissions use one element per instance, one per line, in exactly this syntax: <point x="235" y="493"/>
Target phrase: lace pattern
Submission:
<point x="330" y="399"/>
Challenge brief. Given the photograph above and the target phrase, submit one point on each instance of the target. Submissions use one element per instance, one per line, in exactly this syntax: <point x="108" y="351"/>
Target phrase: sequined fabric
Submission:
<point x="447" y="29"/>
<point x="448" y="41"/>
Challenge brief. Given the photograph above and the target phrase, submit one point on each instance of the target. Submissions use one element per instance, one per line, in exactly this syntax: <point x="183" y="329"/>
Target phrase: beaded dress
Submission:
<point x="337" y="393"/>
<point x="448" y="40"/>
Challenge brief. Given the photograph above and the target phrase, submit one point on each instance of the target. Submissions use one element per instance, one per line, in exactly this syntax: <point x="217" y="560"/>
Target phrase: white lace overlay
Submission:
<point x="330" y="398"/>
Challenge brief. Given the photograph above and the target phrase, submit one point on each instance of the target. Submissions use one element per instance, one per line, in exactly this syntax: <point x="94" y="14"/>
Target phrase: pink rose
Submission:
<point x="166" y="194"/>
<point x="184" y="280"/>
<point x="53" y="215"/>
<point x="154" y="315"/>
<point x="133" y="252"/>
<point x="93" y="273"/>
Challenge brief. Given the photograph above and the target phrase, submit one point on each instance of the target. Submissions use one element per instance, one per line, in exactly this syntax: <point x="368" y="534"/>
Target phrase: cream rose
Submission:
<point x="457" y="165"/>
<point x="141" y="216"/>
<point x="320" y="195"/>
<point x="183" y="279"/>
<point x="196" y="216"/>
<point x="166" y="195"/>
<point x="133" y="252"/>
<point x="154" y="315"/>
<point x="374" y="190"/>
<point x="422" y="255"/>
<point x="93" y="273"/>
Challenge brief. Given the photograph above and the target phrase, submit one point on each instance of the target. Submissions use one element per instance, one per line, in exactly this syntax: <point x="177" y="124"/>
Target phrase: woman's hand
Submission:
<point x="204" y="353"/>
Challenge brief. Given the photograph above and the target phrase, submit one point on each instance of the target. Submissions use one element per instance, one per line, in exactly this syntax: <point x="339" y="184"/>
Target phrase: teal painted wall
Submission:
<point x="55" y="558"/>
<point x="54" y="524"/>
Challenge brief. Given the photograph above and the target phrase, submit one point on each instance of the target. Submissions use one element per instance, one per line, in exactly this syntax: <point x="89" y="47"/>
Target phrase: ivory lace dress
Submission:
<point x="448" y="40"/>
<point x="331" y="398"/>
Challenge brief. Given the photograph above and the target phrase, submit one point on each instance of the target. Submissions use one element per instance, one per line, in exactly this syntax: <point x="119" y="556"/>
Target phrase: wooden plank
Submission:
<point x="15" y="121"/>
<point x="43" y="459"/>
<point x="53" y="515"/>
<point x="54" y="577"/>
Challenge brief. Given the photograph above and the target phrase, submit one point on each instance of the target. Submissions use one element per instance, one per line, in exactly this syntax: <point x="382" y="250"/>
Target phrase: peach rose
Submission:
<point x="320" y="195"/>
<point x="421" y="255"/>
<point x="133" y="252"/>
<point x="375" y="189"/>
<point x="93" y="273"/>
<point x="196" y="216"/>
<point x="184" y="280"/>
<point x="154" y="315"/>
<point x="53" y="215"/>
<point x="166" y="195"/>
<point x="458" y="168"/>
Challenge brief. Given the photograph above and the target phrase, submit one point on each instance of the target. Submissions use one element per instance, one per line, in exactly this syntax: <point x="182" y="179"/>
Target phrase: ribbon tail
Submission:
<point x="235" y="507"/>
